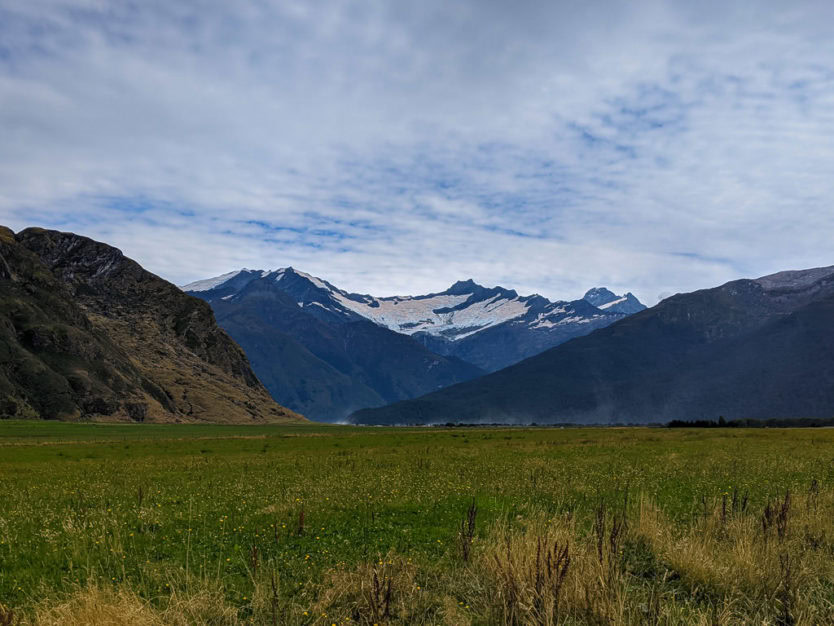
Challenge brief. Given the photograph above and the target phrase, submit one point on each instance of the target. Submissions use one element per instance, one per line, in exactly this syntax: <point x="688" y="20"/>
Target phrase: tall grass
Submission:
<point x="735" y="565"/>
<point x="642" y="568"/>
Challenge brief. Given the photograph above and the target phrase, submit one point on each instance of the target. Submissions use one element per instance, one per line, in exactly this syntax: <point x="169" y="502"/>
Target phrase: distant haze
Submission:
<point x="394" y="148"/>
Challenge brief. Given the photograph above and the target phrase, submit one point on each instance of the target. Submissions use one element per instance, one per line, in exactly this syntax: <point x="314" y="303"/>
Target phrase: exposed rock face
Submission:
<point x="86" y="332"/>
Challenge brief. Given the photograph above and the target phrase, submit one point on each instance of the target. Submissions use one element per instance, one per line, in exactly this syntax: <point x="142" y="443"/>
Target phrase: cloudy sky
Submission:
<point x="395" y="147"/>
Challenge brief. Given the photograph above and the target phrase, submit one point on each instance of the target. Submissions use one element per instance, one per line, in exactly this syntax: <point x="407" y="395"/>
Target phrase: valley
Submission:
<point x="349" y="313"/>
<point x="155" y="481"/>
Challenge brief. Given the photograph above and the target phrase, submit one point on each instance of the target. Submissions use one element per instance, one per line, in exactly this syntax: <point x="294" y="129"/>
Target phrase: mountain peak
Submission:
<point x="604" y="298"/>
<point x="463" y="287"/>
<point x="292" y="275"/>
<point x="599" y="295"/>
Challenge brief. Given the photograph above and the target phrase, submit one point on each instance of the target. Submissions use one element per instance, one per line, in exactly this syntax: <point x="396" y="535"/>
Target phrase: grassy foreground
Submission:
<point x="118" y="524"/>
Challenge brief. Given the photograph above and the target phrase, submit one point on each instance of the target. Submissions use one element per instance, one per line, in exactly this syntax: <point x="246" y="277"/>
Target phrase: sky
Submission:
<point x="395" y="147"/>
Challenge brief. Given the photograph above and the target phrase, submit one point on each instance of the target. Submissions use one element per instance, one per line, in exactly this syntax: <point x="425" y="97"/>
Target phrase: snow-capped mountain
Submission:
<point x="488" y="327"/>
<point x="461" y="310"/>
<point x="316" y="355"/>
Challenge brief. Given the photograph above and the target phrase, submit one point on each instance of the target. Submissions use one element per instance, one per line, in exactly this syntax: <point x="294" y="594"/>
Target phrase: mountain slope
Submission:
<point x="317" y="356"/>
<point x="86" y="332"/>
<point x="748" y="349"/>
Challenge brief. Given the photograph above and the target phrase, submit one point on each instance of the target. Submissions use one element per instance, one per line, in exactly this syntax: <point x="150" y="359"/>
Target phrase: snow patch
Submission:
<point x="608" y="305"/>
<point x="409" y="315"/>
<point x="211" y="283"/>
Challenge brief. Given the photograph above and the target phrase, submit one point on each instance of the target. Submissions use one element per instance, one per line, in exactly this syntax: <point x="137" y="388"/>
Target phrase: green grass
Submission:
<point x="154" y="507"/>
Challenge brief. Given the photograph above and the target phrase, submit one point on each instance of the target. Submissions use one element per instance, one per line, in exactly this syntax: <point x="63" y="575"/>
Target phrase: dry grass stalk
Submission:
<point x="379" y="599"/>
<point x="300" y="529"/>
<point x="7" y="616"/>
<point x="274" y="598"/>
<point x="386" y="591"/>
<point x="466" y="535"/>
<point x="529" y="572"/>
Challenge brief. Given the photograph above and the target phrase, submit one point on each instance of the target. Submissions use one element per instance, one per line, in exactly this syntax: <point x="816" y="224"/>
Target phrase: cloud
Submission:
<point x="396" y="147"/>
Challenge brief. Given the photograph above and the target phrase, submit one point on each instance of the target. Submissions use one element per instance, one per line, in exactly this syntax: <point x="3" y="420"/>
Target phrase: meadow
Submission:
<point x="313" y="524"/>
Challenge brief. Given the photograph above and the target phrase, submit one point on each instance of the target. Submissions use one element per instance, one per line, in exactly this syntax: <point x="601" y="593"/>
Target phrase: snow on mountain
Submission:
<point x="210" y="283"/>
<point x="462" y="310"/>
<point x="453" y="316"/>
<point x="608" y="305"/>
<point x="232" y="281"/>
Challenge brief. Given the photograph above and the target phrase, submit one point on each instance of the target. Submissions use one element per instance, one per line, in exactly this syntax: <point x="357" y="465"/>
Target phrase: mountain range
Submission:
<point x="86" y="333"/>
<point x="760" y="348"/>
<point x="326" y="352"/>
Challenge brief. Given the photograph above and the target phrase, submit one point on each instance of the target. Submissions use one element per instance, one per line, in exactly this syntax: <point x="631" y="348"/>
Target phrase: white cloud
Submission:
<point x="397" y="147"/>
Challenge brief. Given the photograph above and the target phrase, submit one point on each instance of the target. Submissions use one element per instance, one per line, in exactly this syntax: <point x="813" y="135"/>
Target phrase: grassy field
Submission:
<point x="119" y="524"/>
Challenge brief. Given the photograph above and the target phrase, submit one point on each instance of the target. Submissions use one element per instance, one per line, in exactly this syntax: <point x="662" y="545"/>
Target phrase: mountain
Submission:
<point x="758" y="349"/>
<point x="87" y="333"/>
<point x="314" y="353"/>
<point x="490" y="328"/>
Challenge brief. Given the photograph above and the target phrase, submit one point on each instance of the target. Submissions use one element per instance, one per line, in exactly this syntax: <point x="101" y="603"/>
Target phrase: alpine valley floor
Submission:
<point x="308" y="524"/>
